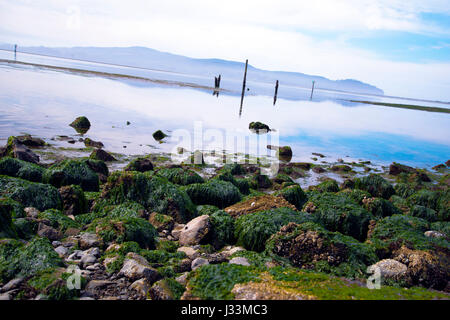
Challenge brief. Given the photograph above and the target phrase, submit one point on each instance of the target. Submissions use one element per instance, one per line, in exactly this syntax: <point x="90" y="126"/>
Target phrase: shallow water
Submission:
<point x="43" y="103"/>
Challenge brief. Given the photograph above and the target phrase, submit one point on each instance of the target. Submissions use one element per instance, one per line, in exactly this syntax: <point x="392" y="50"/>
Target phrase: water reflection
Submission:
<point x="43" y="103"/>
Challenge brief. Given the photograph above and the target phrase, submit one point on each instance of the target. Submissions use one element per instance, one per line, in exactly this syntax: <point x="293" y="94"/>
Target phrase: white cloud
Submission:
<point x="268" y="33"/>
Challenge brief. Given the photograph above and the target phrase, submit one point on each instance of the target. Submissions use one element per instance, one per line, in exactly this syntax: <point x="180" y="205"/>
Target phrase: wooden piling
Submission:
<point x="312" y="90"/>
<point x="243" y="87"/>
<point x="276" y="93"/>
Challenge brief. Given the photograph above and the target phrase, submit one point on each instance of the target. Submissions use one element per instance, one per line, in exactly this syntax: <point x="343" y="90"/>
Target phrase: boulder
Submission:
<point x="397" y="168"/>
<point x="74" y="201"/>
<point x="198" y="262"/>
<point x="100" y="154"/>
<point x="91" y="143"/>
<point x="81" y="125"/>
<point x="20" y="151"/>
<point x="195" y="231"/>
<point x="389" y="269"/>
<point x="259" y="203"/>
<point x="137" y="267"/>
<point x="139" y="164"/>
<point x="89" y="240"/>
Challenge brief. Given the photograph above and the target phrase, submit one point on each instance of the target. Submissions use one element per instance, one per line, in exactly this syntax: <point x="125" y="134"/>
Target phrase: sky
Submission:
<point x="402" y="47"/>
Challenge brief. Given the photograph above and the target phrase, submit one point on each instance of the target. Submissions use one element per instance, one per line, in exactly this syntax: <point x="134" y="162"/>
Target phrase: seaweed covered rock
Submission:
<point x="166" y="289"/>
<point x="81" y="124"/>
<point x="328" y="185"/>
<point x="222" y="229"/>
<point x="425" y="268"/>
<point x="26" y="228"/>
<point x="125" y="229"/>
<point x="426" y="198"/>
<point x="337" y="212"/>
<point x="140" y="164"/>
<point x="390" y="233"/>
<point x="380" y="207"/>
<point x="15" y="209"/>
<point x="180" y="176"/>
<point x="258" y="127"/>
<point x="294" y="195"/>
<point x="30" y="194"/>
<point x="70" y="172"/>
<point x="376" y="185"/>
<point x="253" y="229"/>
<point x="215" y="281"/>
<point x="234" y="168"/>
<point x="159" y="135"/>
<point x="57" y="220"/>
<point x="7" y="229"/>
<point x="99" y="167"/>
<point x="397" y="168"/>
<point x="310" y="246"/>
<point x="20" y="260"/>
<point x="73" y="199"/>
<point x="423" y="213"/>
<point x="404" y="190"/>
<point x="356" y="195"/>
<point x="161" y="221"/>
<point x="258" y="203"/>
<point x="260" y="181"/>
<point x="100" y="154"/>
<point x="92" y="143"/>
<point x="284" y="153"/>
<point x="15" y="149"/>
<point x="241" y="183"/>
<point x="30" y="141"/>
<point x="214" y="192"/>
<point x="155" y="193"/>
<point x="21" y="169"/>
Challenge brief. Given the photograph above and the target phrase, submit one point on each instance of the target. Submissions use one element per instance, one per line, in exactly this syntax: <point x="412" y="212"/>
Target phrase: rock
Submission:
<point x="139" y="164"/>
<point x="93" y="287"/>
<point x="183" y="266"/>
<point x="425" y="268"/>
<point x="161" y="221"/>
<point x="75" y="256"/>
<point x="159" y="135"/>
<point x="30" y="141"/>
<point x="240" y="260"/>
<point x="434" y="234"/>
<point x="285" y="153"/>
<point x="182" y="279"/>
<point x="19" y="151"/>
<point x="258" y="127"/>
<point x="318" y="155"/>
<point x="109" y="260"/>
<point x="136" y="267"/>
<point x="229" y="251"/>
<point x="88" y="260"/>
<point x="317" y="169"/>
<point x="397" y="168"/>
<point x="259" y="203"/>
<point x="62" y="251"/>
<point x="56" y="243"/>
<point x="341" y="168"/>
<point x="195" y="231"/>
<point x="88" y="240"/>
<point x="5" y="296"/>
<point x="190" y="252"/>
<point x="161" y="291"/>
<point x="389" y="269"/>
<point x="198" y="262"/>
<point x="93" y="251"/>
<point x="32" y="212"/>
<point x="12" y="284"/>
<point x="94" y="267"/>
<point x="81" y="124"/>
<point x="447" y="163"/>
<point x="74" y="201"/>
<point x="264" y="291"/>
<point x="48" y="232"/>
<point x="94" y="144"/>
<point x="141" y="286"/>
<point x="100" y="154"/>
<point x="439" y="167"/>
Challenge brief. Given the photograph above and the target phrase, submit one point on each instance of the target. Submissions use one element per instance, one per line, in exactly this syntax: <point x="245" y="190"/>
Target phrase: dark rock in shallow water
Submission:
<point x="139" y="164"/>
<point x="16" y="149"/>
<point x="397" y="168"/>
<point x="81" y="125"/>
<point x="100" y="154"/>
<point x="30" y="141"/>
<point x="318" y="155"/>
<point x="91" y="143"/>
<point x="159" y="135"/>
<point x="285" y="153"/>
<point x="258" y="127"/>
<point x="317" y="169"/>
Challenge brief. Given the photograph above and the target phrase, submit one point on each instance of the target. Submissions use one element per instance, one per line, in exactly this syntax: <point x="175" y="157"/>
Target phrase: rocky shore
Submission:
<point x="80" y="228"/>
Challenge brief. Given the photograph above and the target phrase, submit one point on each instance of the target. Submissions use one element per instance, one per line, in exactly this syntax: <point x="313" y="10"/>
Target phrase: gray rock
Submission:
<point x="240" y="260"/>
<point x="93" y="267"/>
<point x="48" y="232"/>
<point x="190" y="252"/>
<point x="389" y="269"/>
<point x="88" y="240"/>
<point x="76" y="255"/>
<point x="195" y="231"/>
<point x="93" y="251"/>
<point x="182" y="279"/>
<point x="5" y="296"/>
<point x="95" y="285"/>
<point x="56" y="243"/>
<point x="434" y="234"/>
<point x="198" y="262"/>
<point x="141" y="286"/>
<point x="88" y="260"/>
<point x="22" y="152"/>
<point x="62" y="251"/>
<point x="136" y="267"/>
<point x="12" y="284"/>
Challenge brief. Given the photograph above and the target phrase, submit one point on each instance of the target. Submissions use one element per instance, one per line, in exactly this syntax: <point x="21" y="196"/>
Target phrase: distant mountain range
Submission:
<point x="230" y="70"/>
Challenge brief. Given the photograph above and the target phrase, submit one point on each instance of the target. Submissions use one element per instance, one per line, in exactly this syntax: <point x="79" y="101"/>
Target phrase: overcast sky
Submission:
<point x="401" y="46"/>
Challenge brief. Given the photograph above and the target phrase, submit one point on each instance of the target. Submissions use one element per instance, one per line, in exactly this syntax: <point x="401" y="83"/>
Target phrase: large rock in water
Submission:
<point x="16" y="149"/>
<point x="81" y="125"/>
<point x="195" y="231"/>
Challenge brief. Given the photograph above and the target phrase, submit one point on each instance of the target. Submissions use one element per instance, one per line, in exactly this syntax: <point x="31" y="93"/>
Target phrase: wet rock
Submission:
<point x="195" y="231"/>
<point x="81" y="125"/>
<point x="434" y="234"/>
<point x="136" y="267"/>
<point x="48" y="232"/>
<point x="259" y="203"/>
<point x="19" y="151"/>
<point x="139" y="164"/>
<point x="318" y="169"/>
<point x="341" y="168"/>
<point x="397" y="168"/>
<point x="74" y="201"/>
<point x="198" y="262"/>
<point x="158" y="135"/>
<point x="91" y="143"/>
<point x="425" y="268"/>
<point x="389" y="269"/>
<point x="318" y="155"/>
<point x="141" y="286"/>
<point x="284" y="153"/>
<point x="447" y="163"/>
<point x="240" y="260"/>
<point x="30" y="141"/>
<point x="88" y="240"/>
<point x="100" y="154"/>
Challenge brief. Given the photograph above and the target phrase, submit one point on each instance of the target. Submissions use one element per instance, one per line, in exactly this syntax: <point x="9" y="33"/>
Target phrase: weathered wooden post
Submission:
<point x="243" y="87"/>
<point x="276" y="93"/>
<point x="312" y="90"/>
